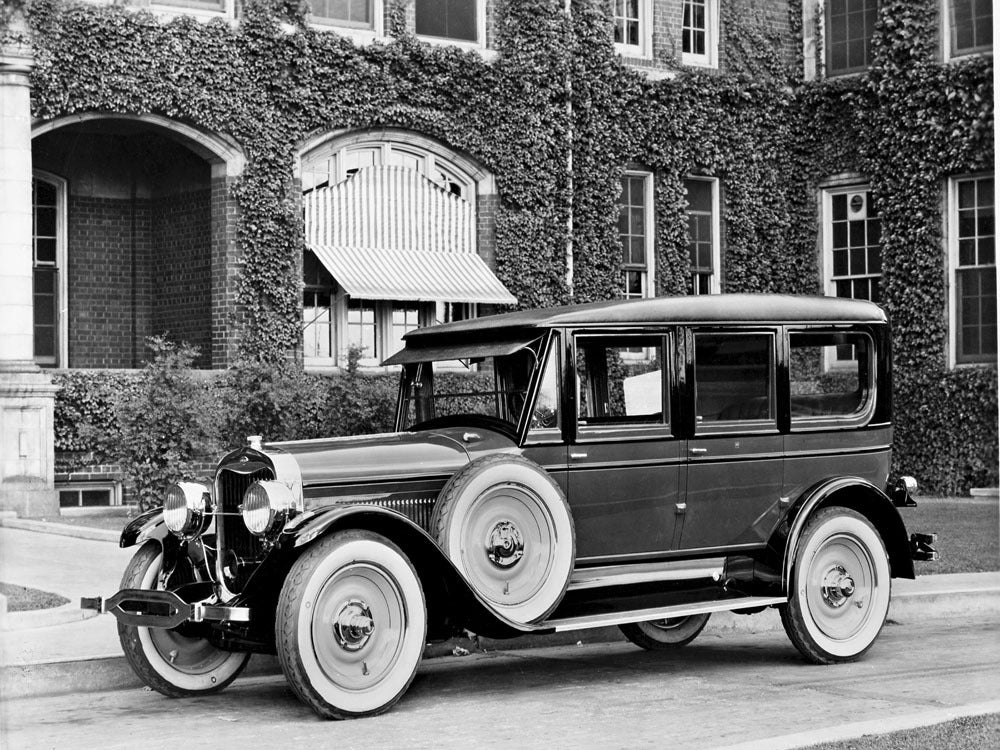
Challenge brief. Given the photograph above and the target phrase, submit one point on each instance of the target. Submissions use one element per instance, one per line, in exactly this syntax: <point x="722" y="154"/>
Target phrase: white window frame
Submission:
<point x="174" y="10"/>
<point x="842" y="187"/>
<point x="715" y="282"/>
<point x="358" y="34"/>
<point x="951" y="239"/>
<point x="479" y="44"/>
<point x="947" y="34"/>
<point x="644" y="49"/>
<point x="649" y="227"/>
<point x="61" y="266"/>
<point x="711" y="57"/>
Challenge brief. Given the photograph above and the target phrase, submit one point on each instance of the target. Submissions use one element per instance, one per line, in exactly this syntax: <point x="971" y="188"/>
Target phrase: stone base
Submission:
<point x="27" y="452"/>
<point x="29" y="501"/>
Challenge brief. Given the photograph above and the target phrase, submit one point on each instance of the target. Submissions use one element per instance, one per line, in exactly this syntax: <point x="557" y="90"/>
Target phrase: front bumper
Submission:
<point x="161" y="609"/>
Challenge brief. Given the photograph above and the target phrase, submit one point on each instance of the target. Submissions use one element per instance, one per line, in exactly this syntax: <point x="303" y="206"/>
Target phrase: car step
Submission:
<point x="659" y="613"/>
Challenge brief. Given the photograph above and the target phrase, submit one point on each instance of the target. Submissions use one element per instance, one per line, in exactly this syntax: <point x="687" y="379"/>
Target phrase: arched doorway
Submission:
<point x="131" y="239"/>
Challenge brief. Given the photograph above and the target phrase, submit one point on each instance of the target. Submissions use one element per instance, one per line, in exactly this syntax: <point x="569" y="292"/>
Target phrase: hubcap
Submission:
<point x="837" y="587"/>
<point x="354" y="625"/>
<point x="504" y="545"/>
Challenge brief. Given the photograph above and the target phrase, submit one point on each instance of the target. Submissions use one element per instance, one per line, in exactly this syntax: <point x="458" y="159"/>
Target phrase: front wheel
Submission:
<point x="840" y="586"/>
<point x="670" y="633"/>
<point x="167" y="661"/>
<point x="350" y="625"/>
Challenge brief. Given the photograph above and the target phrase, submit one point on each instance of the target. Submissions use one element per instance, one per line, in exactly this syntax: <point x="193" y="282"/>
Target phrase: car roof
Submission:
<point x="714" y="308"/>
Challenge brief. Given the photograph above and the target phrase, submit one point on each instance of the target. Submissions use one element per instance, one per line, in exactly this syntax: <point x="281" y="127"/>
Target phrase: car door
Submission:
<point x="624" y="463"/>
<point x="735" y="454"/>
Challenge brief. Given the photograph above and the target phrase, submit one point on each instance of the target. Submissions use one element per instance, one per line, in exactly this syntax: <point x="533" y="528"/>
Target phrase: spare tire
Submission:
<point x="507" y="527"/>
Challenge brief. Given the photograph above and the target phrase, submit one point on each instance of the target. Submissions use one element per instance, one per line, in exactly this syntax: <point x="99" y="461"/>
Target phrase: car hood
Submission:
<point x="387" y="456"/>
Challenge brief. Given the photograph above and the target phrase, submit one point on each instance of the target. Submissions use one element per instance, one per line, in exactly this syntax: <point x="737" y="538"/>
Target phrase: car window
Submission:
<point x="545" y="413"/>
<point x="734" y="377"/>
<point x="830" y="374"/>
<point x="620" y="380"/>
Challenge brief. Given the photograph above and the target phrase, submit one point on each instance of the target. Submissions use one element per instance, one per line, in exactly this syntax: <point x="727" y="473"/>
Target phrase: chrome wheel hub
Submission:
<point x="353" y="625"/>
<point x="838" y="586"/>
<point x="504" y="545"/>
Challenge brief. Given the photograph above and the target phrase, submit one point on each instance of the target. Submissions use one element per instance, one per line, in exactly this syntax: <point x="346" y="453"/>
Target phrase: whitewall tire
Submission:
<point x="840" y="588"/>
<point x="351" y="625"/>
<point x="167" y="661"/>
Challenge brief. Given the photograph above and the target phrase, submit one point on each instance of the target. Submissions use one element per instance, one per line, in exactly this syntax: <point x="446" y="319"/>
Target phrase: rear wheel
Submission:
<point x="167" y="661"/>
<point x="672" y="632"/>
<point x="840" y="587"/>
<point x="350" y="625"/>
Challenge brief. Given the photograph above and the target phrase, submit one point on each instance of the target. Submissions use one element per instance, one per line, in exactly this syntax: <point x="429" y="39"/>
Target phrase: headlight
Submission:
<point x="186" y="508"/>
<point x="266" y="506"/>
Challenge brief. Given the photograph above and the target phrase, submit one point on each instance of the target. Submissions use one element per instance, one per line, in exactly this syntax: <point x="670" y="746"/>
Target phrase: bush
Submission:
<point x="165" y="424"/>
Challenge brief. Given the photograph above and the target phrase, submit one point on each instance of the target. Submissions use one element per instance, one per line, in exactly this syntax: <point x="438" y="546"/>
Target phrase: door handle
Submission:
<point x="697" y="451"/>
<point x="577" y="455"/>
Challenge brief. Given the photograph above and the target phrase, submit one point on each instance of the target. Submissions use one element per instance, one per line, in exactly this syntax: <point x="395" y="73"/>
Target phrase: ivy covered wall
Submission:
<point x="557" y="93"/>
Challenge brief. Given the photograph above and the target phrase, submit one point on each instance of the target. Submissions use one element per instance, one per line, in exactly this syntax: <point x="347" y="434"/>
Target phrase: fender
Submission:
<point x="861" y="496"/>
<point x="444" y="584"/>
<point x="142" y="528"/>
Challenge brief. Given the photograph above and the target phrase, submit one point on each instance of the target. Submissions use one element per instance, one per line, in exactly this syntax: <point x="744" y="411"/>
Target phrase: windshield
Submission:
<point x="493" y="388"/>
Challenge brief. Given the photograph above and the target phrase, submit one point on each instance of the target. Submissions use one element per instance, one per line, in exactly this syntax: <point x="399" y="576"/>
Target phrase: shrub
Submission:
<point x="165" y="424"/>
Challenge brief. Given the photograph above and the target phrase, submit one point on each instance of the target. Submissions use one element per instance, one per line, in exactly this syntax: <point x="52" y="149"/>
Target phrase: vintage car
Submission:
<point x="632" y="463"/>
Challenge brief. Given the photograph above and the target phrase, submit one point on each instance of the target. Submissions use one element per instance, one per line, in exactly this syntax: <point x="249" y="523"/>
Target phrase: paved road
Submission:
<point x="723" y="689"/>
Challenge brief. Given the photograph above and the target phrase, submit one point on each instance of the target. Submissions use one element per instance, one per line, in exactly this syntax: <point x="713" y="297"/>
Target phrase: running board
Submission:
<point x="624" y="575"/>
<point x="659" y="613"/>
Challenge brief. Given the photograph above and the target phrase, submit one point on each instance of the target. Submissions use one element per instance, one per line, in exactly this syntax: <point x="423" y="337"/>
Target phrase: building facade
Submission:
<point x="268" y="179"/>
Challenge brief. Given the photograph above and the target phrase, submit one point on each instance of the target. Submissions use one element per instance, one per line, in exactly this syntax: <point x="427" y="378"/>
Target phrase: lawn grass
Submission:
<point x="969" y="733"/>
<point x="968" y="532"/>
<point x="23" y="599"/>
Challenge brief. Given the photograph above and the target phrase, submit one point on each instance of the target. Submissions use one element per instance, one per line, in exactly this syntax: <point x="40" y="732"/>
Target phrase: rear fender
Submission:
<point x="848" y="492"/>
<point x="452" y="603"/>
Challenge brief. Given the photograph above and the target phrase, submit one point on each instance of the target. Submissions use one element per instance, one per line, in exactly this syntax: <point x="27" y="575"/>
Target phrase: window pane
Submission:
<point x="69" y="498"/>
<point x="451" y="19"/>
<point x="975" y="277"/>
<point x="620" y="380"/>
<point x="815" y="392"/>
<point x="95" y="497"/>
<point x="733" y="376"/>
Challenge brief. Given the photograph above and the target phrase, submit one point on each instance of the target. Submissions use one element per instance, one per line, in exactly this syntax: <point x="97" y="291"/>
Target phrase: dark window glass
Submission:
<point x="975" y="273"/>
<point x="849" y="27"/>
<point x="450" y="19"/>
<point x="626" y="22"/>
<point x="733" y="377"/>
<point x="701" y="240"/>
<point x="357" y="13"/>
<point x="694" y="27"/>
<point x="971" y="26"/>
<point x="816" y="390"/>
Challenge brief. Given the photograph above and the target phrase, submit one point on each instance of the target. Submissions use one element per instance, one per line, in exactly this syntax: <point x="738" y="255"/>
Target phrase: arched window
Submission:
<point x="380" y="207"/>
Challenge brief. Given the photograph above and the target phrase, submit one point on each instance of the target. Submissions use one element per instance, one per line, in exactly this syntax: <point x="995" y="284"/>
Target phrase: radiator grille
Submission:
<point x="234" y="539"/>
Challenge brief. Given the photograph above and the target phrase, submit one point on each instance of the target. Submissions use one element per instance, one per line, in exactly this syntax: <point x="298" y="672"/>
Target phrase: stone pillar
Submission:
<point x="27" y="396"/>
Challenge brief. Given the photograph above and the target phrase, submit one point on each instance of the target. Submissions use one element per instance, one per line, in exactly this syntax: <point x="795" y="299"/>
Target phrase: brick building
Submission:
<point x="130" y="166"/>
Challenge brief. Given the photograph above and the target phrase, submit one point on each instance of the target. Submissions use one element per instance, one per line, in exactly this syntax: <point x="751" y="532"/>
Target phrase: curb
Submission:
<point x="112" y="672"/>
<point x="61" y="529"/>
<point x="43" y="618"/>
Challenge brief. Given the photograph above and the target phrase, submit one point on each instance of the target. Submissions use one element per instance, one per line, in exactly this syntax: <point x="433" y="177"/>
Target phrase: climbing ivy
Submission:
<point x="556" y="94"/>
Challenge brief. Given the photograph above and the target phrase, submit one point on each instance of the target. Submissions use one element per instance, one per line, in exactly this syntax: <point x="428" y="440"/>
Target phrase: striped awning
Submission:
<point x="415" y="275"/>
<point x="387" y="232"/>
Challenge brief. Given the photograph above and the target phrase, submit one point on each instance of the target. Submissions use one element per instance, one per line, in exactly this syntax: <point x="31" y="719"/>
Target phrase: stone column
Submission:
<point x="27" y="396"/>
